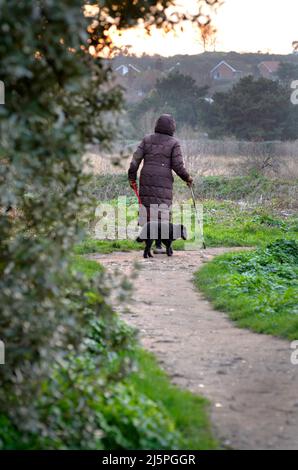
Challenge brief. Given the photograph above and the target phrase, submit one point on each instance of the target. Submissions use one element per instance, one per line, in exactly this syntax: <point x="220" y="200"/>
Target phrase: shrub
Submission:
<point x="57" y="97"/>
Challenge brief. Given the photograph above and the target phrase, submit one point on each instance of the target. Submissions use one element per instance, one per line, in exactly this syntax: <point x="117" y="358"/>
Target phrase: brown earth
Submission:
<point x="249" y="379"/>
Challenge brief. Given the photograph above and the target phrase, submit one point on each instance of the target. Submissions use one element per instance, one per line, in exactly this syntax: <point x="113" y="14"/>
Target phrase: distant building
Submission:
<point x="268" y="69"/>
<point x="126" y="70"/>
<point x="225" y="71"/>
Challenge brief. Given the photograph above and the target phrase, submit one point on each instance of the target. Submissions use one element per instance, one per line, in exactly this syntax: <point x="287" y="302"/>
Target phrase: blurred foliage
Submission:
<point x="58" y="98"/>
<point x="55" y="103"/>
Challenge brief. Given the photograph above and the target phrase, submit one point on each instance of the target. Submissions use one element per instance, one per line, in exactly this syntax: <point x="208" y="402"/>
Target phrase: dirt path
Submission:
<point x="248" y="377"/>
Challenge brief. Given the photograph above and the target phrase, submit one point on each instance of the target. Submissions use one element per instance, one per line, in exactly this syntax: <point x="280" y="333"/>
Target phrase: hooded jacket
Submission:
<point x="160" y="153"/>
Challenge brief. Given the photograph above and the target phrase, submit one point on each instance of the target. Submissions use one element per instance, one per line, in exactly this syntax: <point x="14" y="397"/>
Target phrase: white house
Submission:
<point x="126" y="69"/>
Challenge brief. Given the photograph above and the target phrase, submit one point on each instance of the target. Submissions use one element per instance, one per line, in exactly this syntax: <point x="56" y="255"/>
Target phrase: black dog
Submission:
<point x="166" y="232"/>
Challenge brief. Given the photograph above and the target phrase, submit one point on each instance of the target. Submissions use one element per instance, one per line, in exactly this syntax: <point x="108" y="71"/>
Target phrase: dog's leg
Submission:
<point x="147" y="251"/>
<point x="150" y="243"/>
<point x="168" y="244"/>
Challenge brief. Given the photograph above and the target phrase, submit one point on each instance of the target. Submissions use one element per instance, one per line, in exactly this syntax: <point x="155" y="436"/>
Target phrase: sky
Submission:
<point x="243" y="26"/>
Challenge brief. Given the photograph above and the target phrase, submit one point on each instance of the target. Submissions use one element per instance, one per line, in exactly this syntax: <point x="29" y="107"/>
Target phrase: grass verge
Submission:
<point x="189" y="412"/>
<point x="258" y="289"/>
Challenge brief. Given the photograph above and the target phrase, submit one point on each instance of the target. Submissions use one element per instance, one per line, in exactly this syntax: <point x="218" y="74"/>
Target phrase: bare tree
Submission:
<point x="208" y="36"/>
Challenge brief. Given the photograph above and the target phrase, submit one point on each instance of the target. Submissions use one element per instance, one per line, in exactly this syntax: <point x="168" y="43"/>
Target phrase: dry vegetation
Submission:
<point x="212" y="158"/>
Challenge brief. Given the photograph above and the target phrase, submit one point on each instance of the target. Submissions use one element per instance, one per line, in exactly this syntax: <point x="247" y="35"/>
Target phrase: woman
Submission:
<point x="160" y="153"/>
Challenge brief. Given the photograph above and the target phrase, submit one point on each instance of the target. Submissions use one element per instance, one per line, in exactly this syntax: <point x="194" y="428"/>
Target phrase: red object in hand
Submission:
<point x="134" y="186"/>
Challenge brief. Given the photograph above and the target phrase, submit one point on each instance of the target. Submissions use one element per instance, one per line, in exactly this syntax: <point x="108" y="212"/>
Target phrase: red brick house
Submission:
<point x="268" y="69"/>
<point x="225" y="71"/>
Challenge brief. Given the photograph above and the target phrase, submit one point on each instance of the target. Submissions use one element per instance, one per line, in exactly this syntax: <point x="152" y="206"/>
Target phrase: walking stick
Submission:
<point x="197" y="214"/>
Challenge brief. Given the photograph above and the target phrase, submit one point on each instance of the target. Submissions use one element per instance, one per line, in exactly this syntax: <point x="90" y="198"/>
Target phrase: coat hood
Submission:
<point x="165" y="124"/>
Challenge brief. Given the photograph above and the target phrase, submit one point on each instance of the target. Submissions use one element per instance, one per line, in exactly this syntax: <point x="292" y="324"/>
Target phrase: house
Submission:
<point x="126" y="70"/>
<point x="225" y="71"/>
<point x="269" y="68"/>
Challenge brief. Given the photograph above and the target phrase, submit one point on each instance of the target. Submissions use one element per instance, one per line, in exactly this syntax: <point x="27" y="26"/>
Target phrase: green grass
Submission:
<point x="225" y="224"/>
<point x="105" y="246"/>
<point x="188" y="412"/>
<point x="87" y="267"/>
<point x="258" y="289"/>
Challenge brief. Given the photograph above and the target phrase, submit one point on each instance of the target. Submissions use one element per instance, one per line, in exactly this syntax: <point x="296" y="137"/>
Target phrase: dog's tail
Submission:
<point x="139" y="240"/>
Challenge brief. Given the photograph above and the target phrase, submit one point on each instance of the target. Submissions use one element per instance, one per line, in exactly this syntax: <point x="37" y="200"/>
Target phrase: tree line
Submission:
<point x="254" y="109"/>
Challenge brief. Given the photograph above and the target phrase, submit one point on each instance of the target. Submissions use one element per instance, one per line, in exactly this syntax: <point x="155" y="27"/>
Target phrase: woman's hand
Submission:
<point x="189" y="182"/>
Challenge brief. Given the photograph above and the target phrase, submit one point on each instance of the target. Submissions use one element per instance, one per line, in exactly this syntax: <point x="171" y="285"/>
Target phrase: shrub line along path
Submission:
<point x="248" y="377"/>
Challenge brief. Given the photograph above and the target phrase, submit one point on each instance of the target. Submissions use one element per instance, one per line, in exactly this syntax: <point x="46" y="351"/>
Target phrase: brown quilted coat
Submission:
<point x="160" y="153"/>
